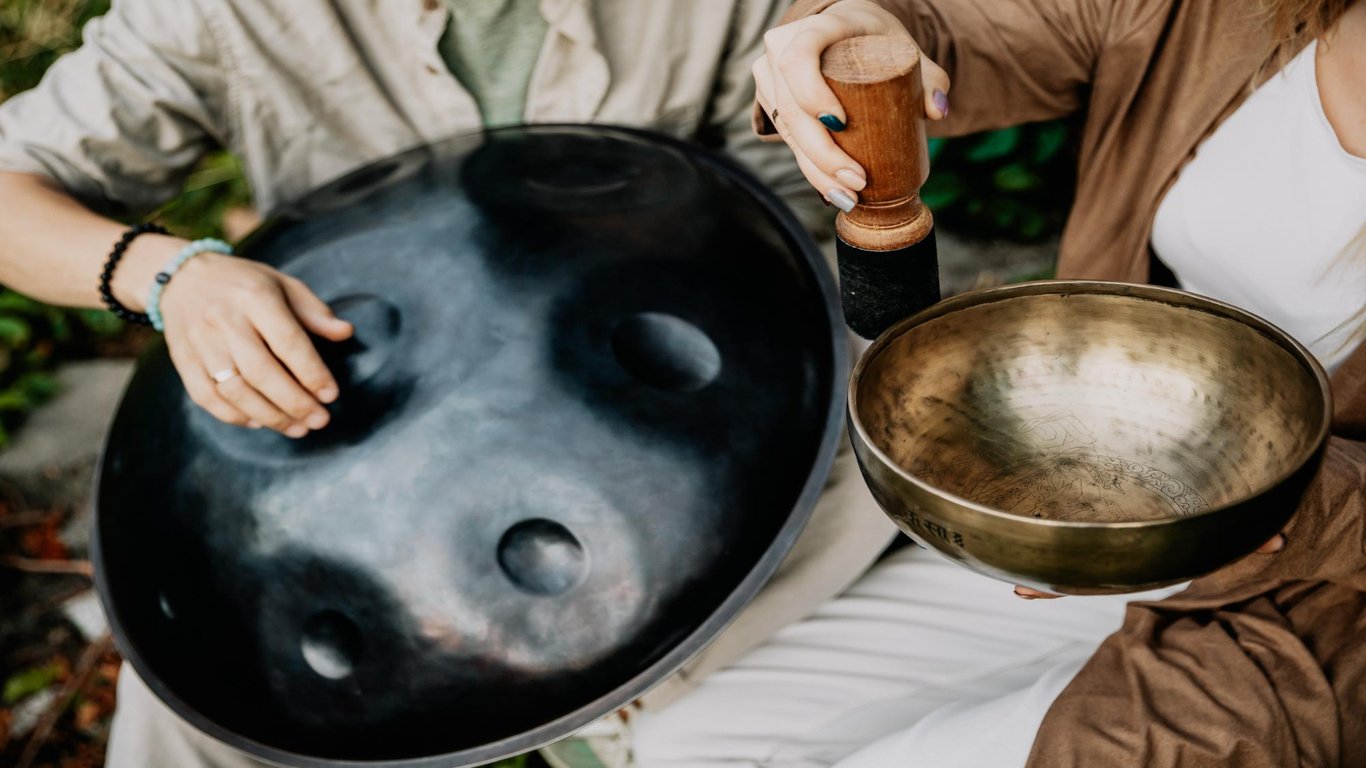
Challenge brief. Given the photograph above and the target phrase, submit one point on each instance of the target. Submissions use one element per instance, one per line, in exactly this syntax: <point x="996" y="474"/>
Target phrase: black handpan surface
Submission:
<point x="594" y="392"/>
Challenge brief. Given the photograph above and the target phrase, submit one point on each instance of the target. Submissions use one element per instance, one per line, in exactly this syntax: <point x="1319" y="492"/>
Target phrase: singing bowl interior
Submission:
<point x="1089" y="412"/>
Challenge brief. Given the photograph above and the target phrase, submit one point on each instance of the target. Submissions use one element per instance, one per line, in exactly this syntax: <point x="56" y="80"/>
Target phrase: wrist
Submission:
<point x="201" y="247"/>
<point x="138" y="269"/>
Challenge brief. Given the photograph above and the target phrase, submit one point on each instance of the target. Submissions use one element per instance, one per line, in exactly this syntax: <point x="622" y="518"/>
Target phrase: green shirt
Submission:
<point x="491" y="46"/>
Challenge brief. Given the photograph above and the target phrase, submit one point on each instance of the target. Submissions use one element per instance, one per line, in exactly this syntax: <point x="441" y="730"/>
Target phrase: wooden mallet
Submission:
<point x="888" y="264"/>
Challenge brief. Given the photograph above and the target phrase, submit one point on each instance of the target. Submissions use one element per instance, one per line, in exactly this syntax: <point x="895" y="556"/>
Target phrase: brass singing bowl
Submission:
<point x="1088" y="437"/>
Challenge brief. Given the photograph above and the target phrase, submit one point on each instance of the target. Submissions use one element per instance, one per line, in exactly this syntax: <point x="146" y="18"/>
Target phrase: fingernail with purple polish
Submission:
<point x="941" y="102"/>
<point x="841" y="199"/>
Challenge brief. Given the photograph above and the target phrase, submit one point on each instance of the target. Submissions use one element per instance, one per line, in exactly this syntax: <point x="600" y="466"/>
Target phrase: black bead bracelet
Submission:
<point x="106" y="292"/>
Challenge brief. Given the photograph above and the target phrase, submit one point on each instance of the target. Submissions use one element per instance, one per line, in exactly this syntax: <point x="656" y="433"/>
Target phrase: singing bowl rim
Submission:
<point x="1170" y="296"/>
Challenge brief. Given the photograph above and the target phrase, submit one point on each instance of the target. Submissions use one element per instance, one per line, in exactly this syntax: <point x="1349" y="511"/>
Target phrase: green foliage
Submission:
<point x="33" y="336"/>
<point x="993" y="145"/>
<point x="1014" y="183"/>
<point x="215" y="187"/>
<point x="33" y="33"/>
<point x="29" y="681"/>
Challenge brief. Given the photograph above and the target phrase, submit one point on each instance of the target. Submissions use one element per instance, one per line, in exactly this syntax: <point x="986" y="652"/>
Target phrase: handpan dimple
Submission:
<point x="164" y="603"/>
<point x="370" y="390"/>
<point x="377" y="322"/>
<point x="666" y="352"/>
<point x="583" y="173"/>
<point x="331" y="644"/>
<point x="542" y="557"/>
<point x="585" y="178"/>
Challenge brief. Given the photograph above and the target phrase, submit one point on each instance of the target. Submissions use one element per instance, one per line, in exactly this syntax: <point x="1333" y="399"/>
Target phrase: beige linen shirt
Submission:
<point x="306" y="90"/>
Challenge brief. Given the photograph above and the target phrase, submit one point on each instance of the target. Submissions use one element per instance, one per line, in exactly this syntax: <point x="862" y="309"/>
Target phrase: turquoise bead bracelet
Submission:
<point x="207" y="245"/>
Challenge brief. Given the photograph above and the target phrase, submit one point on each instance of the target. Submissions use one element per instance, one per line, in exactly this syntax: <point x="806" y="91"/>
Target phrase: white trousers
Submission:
<point x="920" y="663"/>
<point x="147" y="734"/>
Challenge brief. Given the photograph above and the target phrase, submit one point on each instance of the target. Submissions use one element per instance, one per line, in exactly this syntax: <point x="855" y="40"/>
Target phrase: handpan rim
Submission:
<point x="692" y="643"/>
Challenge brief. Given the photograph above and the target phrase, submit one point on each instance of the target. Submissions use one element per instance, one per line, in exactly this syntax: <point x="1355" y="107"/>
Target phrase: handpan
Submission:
<point x="594" y="391"/>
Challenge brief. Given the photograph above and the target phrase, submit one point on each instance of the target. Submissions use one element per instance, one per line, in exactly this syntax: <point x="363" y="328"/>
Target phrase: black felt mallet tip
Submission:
<point x="878" y="288"/>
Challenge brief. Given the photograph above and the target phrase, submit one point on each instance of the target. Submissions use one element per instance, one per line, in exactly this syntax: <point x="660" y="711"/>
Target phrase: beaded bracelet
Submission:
<point x="106" y="292"/>
<point x="207" y="245"/>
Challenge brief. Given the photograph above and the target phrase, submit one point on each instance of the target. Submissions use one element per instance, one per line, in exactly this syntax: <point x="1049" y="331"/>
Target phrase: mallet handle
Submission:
<point x="877" y="79"/>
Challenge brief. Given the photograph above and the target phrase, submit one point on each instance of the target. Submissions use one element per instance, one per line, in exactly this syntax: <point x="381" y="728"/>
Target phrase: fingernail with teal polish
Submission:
<point x="941" y="102"/>
<point x="842" y="200"/>
<point x="831" y="122"/>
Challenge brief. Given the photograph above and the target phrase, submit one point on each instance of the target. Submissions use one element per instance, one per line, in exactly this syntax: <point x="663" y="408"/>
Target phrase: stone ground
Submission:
<point x="52" y="456"/>
<point x="51" y="459"/>
<point x="968" y="264"/>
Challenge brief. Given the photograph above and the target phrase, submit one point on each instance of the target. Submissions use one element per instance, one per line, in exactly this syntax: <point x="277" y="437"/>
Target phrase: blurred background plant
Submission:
<point x="33" y="33"/>
<point x="1014" y="184"/>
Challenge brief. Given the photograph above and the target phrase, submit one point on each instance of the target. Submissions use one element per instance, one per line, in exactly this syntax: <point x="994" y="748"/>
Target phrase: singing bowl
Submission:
<point x="595" y="389"/>
<point x="1088" y="437"/>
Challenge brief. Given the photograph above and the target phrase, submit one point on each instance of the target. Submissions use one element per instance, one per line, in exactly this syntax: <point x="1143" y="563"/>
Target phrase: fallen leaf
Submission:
<point x="88" y="714"/>
<point x="43" y="541"/>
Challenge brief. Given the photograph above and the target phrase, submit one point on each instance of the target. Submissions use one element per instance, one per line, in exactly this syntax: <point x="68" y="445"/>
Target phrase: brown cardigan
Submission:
<point x="1263" y="663"/>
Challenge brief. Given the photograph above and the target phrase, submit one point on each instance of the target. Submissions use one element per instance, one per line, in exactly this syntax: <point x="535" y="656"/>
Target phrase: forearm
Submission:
<point x="52" y="248"/>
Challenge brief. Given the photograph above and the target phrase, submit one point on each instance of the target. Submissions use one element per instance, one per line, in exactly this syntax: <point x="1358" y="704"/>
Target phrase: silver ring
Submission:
<point x="225" y="375"/>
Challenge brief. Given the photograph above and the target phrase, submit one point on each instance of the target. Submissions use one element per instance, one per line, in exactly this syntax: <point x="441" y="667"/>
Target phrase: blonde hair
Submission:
<point x="1295" y="22"/>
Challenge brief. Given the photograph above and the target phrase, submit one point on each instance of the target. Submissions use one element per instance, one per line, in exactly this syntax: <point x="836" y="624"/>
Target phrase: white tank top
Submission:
<point x="1265" y="213"/>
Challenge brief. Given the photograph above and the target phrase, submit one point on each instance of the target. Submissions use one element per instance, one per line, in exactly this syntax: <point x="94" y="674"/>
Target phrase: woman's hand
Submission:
<point x="238" y="331"/>
<point x="1271" y="547"/>
<point x="802" y="107"/>
<point x="227" y="316"/>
